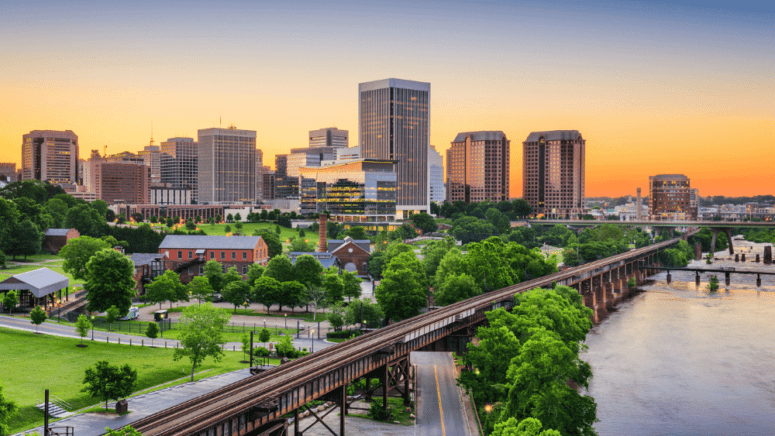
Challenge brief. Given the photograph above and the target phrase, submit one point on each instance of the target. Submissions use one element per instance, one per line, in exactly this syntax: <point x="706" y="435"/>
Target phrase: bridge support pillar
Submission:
<point x="758" y="281"/>
<point x="728" y="231"/>
<point x="610" y="298"/>
<point x="757" y="258"/>
<point x="697" y="251"/>
<point x="669" y="277"/>
<point x="768" y="254"/>
<point x="726" y="278"/>
<point x="697" y="279"/>
<point x="742" y="257"/>
<point x="737" y="258"/>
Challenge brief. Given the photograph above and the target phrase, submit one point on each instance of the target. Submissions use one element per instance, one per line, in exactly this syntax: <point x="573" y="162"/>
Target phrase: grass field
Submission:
<point x="31" y="363"/>
<point x="304" y="316"/>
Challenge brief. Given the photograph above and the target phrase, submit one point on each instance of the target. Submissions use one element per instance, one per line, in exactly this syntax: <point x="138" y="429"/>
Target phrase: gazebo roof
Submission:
<point x="40" y="282"/>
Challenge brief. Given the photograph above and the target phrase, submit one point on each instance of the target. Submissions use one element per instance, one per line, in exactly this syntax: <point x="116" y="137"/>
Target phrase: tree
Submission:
<point x="291" y="295"/>
<point x="264" y="335"/>
<point x="238" y="226"/>
<point x="227" y="229"/>
<point x="280" y="268"/>
<point x="166" y="287"/>
<point x="336" y="315"/>
<point x="369" y="312"/>
<point x="316" y="296"/>
<point x="521" y="207"/>
<point x="432" y="255"/>
<point x="199" y="288"/>
<point x="154" y="219"/>
<point x="169" y="222"/>
<point x="109" y="382"/>
<point x="214" y="273"/>
<point x="526" y="427"/>
<point x="86" y="220"/>
<point x="255" y="271"/>
<point x="237" y="293"/>
<point x="308" y="270"/>
<point x="229" y="218"/>
<point x="126" y="431"/>
<point x="300" y="245"/>
<point x="285" y="347"/>
<point x="238" y="217"/>
<point x="272" y="241"/>
<point x="10" y="300"/>
<point x="112" y="315"/>
<point x="456" y="288"/>
<point x="334" y="287"/>
<point x="109" y="281"/>
<point x="37" y="316"/>
<point x="201" y="334"/>
<point x="152" y="331"/>
<point x="403" y="290"/>
<point x="2" y="260"/>
<point x="351" y="284"/>
<point x="8" y="408"/>
<point x="190" y="224"/>
<point x="277" y="229"/>
<point x="425" y="222"/>
<point x="82" y="327"/>
<point x="245" y="339"/>
<point x="77" y="253"/>
<point x="26" y="239"/>
<point x="267" y="291"/>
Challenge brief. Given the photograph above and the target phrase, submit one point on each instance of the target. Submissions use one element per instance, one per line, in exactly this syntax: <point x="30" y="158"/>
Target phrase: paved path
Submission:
<point x="54" y="329"/>
<point x="92" y="424"/>
<point x="438" y="396"/>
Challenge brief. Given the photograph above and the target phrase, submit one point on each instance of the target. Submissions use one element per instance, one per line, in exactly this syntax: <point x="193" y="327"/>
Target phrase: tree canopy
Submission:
<point x="77" y="253"/>
<point x="201" y="334"/>
<point x="109" y="281"/>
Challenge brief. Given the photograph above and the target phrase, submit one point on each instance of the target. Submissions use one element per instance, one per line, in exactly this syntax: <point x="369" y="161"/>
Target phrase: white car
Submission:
<point x="134" y="313"/>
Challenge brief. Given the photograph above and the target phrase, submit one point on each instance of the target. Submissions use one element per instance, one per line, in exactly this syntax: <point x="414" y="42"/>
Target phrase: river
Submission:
<point x="675" y="360"/>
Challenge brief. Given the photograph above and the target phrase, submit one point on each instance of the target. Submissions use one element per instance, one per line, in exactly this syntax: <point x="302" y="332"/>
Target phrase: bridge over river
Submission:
<point x="257" y="405"/>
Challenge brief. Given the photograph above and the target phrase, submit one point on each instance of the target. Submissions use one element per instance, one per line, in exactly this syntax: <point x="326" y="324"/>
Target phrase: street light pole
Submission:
<point x="313" y="341"/>
<point x="92" y="327"/>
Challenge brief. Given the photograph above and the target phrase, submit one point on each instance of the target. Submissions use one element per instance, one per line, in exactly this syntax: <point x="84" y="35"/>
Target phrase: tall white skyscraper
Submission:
<point x="227" y="165"/>
<point x="394" y="124"/>
<point x="50" y="155"/>
<point x="436" y="174"/>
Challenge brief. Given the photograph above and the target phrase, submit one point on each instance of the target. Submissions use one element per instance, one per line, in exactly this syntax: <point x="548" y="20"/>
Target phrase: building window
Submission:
<point x="244" y="269"/>
<point x="212" y="255"/>
<point x="233" y="255"/>
<point x="190" y="254"/>
<point x="244" y="255"/>
<point x="190" y="270"/>
<point x="223" y="255"/>
<point x="180" y="255"/>
<point x="201" y="270"/>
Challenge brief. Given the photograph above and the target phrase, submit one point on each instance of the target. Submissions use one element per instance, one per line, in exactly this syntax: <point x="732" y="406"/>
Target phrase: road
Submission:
<point x="440" y="411"/>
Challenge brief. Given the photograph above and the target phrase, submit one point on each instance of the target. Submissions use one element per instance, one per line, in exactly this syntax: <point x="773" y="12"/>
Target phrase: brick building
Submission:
<point x="189" y="253"/>
<point x="148" y="266"/>
<point x="353" y="254"/>
<point x="121" y="182"/>
<point x="55" y="239"/>
<point x="670" y="198"/>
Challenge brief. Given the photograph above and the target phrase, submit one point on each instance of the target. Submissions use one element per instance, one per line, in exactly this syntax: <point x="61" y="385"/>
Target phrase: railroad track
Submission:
<point x="220" y="404"/>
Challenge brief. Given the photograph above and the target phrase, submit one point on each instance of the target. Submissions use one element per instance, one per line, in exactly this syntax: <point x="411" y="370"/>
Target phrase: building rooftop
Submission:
<point x="57" y="232"/>
<point x="140" y="259"/>
<point x="333" y="244"/>
<point x="210" y="242"/>
<point x="483" y="135"/>
<point x="40" y="282"/>
<point x="554" y="135"/>
<point x="670" y="177"/>
<point x="326" y="259"/>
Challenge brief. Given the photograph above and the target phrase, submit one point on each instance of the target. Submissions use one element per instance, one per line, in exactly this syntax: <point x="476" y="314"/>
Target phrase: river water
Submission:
<point x="675" y="360"/>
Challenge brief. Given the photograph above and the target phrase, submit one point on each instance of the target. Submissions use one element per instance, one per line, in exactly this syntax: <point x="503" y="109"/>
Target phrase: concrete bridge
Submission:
<point x="257" y="405"/>
<point x="716" y="227"/>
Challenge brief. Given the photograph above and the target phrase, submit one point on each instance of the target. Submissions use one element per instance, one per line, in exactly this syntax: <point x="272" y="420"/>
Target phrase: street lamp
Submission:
<point x="313" y="341"/>
<point x="286" y="321"/>
<point x="488" y="408"/>
<point x="92" y="327"/>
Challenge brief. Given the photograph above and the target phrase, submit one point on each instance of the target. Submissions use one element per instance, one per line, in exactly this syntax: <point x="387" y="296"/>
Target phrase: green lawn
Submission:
<point x="249" y="228"/>
<point x="35" y="257"/>
<point x="30" y="363"/>
<point x="304" y="316"/>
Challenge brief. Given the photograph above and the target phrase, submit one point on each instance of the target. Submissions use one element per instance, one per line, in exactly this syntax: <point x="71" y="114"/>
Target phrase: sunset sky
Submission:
<point x="654" y="87"/>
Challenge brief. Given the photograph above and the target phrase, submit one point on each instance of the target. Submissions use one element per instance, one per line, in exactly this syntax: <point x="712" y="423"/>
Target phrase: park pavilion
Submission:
<point x="41" y="287"/>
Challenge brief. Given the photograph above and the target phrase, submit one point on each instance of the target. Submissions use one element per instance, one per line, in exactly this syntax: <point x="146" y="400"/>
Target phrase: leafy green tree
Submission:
<point x="372" y="313"/>
<point x="292" y="294"/>
<point x="238" y="226"/>
<point x="316" y="296"/>
<point x="272" y="241"/>
<point x="190" y="224"/>
<point x="101" y="207"/>
<point x="376" y="263"/>
<point x="351" y="285"/>
<point x="111" y="315"/>
<point x="277" y="229"/>
<point x="229" y="218"/>
<point x="264" y="335"/>
<point x="109" y="382"/>
<point x="2" y="260"/>
<point x="214" y="273"/>
<point x="526" y="427"/>
<point x="280" y="268"/>
<point x="82" y="327"/>
<point x="154" y="219"/>
<point x="245" y="340"/>
<point x="152" y="331"/>
<point x="10" y="300"/>
<point x="109" y="281"/>
<point x="58" y="210"/>
<point x="26" y="239"/>
<point x="227" y="229"/>
<point x="237" y="293"/>
<point x="425" y="222"/>
<point x="308" y="270"/>
<point x="285" y="347"/>
<point x="169" y="222"/>
<point x="334" y="287"/>
<point x="9" y="217"/>
<point x="201" y="334"/>
<point x="77" y="253"/>
<point x="255" y="271"/>
<point x="403" y="290"/>
<point x="267" y="291"/>
<point x="8" y="409"/>
<point x="336" y="316"/>
<point x="126" y="431"/>
<point x="86" y="220"/>
<point x="357" y="232"/>
<point x="37" y="316"/>
<point x="199" y="288"/>
<point x="166" y="287"/>
<point x="498" y="220"/>
<point x="238" y="217"/>
<point x="456" y="288"/>
<point x="471" y="229"/>
<point x="432" y="255"/>
<point x="570" y="257"/>
<point x="451" y="264"/>
<point x="300" y="245"/>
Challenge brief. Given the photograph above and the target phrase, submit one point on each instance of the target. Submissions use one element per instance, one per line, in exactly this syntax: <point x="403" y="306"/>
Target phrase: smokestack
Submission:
<point x="637" y="211"/>
<point x="323" y="245"/>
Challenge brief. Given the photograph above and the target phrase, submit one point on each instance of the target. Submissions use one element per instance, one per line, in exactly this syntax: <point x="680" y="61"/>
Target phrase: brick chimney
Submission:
<point x="323" y="246"/>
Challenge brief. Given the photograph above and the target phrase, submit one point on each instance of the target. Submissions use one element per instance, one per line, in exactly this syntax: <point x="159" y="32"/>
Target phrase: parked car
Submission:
<point x="217" y="297"/>
<point x="134" y="313"/>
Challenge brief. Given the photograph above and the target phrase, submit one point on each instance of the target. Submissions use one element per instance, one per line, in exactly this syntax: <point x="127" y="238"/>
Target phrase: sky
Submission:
<point x="654" y="87"/>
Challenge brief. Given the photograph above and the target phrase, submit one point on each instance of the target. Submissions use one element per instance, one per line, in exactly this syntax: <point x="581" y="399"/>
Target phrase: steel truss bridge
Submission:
<point x="261" y="404"/>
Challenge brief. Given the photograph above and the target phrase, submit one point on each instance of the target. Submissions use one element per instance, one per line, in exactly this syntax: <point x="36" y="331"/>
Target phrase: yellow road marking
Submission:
<point x="438" y="392"/>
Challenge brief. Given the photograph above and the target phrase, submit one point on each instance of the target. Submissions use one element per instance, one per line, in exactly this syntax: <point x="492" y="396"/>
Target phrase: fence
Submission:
<point x="139" y="327"/>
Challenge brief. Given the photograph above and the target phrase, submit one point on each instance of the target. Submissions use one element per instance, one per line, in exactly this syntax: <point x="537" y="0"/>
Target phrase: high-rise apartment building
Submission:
<point x="670" y="198"/>
<point x="478" y="167"/>
<point x="286" y="186"/>
<point x="259" y="175"/>
<point x="180" y="164"/>
<point x="308" y="157"/>
<point x="436" y="176"/>
<point x="329" y="137"/>
<point x="125" y="182"/>
<point x="151" y="155"/>
<point x="50" y="155"/>
<point x="8" y="172"/>
<point x="553" y="173"/>
<point x="227" y="165"/>
<point x="268" y="185"/>
<point x="394" y="123"/>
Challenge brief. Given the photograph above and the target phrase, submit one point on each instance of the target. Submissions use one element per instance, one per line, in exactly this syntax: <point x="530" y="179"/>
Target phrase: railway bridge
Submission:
<point x="262" y="404"/>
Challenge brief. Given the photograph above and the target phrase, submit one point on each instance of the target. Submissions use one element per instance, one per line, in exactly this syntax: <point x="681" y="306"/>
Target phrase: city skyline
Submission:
<point x="655" y="88"/>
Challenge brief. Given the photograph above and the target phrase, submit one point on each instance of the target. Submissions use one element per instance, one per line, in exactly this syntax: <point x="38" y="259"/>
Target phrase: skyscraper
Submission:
<point x="286" y="186"/>
<point x="553" y="173"/>
<point x="671" y="198"/>
<point x="227" y="165"/>
<point x="329" y="137"/>
<point x="436" y="176"/>
<point x="478" y="167"/>
<point x="259" y="175"/>
<point x="152" y="156"/>
<point x="394" y="123"/>
<point x="50" y="155"/>
<point x="180" y="164"/>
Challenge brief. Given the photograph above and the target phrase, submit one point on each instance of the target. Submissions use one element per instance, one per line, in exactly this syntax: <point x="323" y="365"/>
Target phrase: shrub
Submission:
<point x="631" y="282"/>
<point x="378" y="412"/>
<point x="344" y="334"/>
<point x="261" y="352"/>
